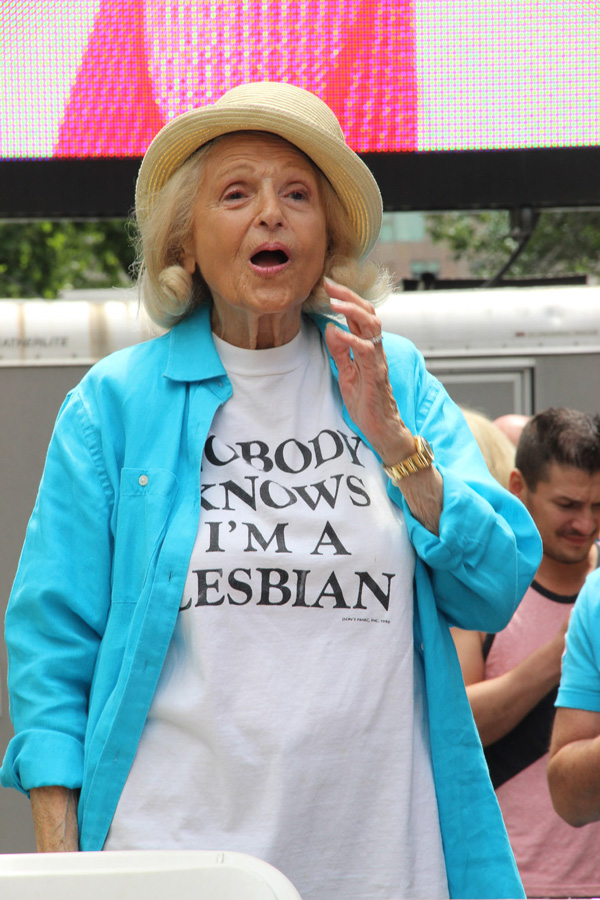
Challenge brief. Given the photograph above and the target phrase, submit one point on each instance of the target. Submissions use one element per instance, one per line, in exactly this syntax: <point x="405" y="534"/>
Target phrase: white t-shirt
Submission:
<point x="288" y="721"/>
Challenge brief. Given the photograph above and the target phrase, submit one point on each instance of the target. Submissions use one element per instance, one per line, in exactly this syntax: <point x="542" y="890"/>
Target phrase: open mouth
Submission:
<point x="266" y="259"/>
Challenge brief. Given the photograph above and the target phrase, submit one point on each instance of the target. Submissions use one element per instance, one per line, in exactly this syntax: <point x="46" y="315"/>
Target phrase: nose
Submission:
<point x="269" y="208"/>
<point x="585" y="522"/>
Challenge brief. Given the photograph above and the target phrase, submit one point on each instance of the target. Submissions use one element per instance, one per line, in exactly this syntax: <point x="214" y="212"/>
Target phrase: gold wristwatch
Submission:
<point x="422" y="459"/>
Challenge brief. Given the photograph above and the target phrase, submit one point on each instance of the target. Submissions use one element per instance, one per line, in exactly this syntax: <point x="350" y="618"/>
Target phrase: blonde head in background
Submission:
<point x="497" y="450"/>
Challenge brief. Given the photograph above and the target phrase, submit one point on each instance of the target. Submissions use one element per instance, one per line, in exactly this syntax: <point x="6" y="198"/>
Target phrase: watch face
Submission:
<point x="425" y="449"/>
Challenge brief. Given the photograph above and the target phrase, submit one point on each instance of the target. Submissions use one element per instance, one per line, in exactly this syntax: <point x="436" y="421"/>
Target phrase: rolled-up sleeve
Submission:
<point x="58" y="609"/>
<point x="488" y="548"/>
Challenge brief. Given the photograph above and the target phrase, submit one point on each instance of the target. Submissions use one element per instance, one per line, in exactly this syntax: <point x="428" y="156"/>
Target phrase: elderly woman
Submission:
<point x="229" y="627"/>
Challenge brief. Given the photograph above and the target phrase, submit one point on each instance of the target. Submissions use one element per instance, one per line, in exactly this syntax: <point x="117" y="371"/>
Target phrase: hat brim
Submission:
<point x="347" y="173"/>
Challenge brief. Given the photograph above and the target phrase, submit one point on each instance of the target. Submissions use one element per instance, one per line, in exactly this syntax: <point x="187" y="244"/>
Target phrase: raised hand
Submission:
<point x="363" y="375"/>
<point x="367" y="394"/>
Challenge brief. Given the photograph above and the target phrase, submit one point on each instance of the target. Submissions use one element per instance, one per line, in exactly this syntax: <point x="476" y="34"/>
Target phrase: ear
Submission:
<point x="516" y="484"/>
<point x="188" y="261"/>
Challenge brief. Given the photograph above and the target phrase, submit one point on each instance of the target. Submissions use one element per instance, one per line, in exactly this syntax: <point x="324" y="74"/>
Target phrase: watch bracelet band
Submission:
<point x="421" y="459"/>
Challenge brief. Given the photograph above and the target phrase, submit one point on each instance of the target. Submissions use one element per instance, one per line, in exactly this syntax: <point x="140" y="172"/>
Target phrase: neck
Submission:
<point x="256" y="332"/>
<point x="566" y="578"/>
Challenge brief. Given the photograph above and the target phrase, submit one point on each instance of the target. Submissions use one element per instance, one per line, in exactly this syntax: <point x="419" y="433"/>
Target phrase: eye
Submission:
<point x="299" y="193"/>
<point x="234" y="193"/>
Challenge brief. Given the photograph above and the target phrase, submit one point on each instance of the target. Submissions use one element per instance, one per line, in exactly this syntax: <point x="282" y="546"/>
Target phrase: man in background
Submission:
<point x="512" y="677"/>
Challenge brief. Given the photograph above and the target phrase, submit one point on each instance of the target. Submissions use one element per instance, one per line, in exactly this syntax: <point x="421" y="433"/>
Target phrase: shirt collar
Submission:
<point x="192" y="352"/>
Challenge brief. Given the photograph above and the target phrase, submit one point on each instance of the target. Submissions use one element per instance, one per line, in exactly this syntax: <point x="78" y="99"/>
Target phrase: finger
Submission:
<point x="360" y="315"/>
<point x="338" y="346"/>
<point x="366" y="328"/>
<point x="358" y="312"/>
<point x="361" y="320"/>
<point x="341" y="292"/>
<point x="368" y="356"/>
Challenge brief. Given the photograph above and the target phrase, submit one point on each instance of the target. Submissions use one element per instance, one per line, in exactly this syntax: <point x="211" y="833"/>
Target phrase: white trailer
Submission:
<point x="509" y="350"/>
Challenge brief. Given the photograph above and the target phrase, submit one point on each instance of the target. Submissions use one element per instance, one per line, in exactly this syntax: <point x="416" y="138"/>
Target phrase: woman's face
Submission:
<point x="260" y="234"/>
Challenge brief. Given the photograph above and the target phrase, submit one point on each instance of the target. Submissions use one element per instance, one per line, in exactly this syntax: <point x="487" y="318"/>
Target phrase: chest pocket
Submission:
<point x="145" y="501"/>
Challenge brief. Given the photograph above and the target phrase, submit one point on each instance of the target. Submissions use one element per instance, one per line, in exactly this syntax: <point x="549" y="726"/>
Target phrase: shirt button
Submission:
<point x="143" y="480"/>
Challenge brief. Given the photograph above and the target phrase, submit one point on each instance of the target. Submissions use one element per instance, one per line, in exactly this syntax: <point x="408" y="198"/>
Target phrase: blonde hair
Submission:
<point x="496" y="449"/>
<point x="169" y="293"/>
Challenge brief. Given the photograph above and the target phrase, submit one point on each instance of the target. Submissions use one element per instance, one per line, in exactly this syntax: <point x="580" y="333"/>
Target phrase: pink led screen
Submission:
<point x="94" y="78"/>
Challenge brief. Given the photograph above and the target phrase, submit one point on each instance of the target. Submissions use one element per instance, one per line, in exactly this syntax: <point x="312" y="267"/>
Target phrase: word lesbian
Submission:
<point x="276" y="587"/>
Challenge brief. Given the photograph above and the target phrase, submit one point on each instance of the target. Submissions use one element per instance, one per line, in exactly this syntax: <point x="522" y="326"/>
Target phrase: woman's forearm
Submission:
<point x="424" y="493"/>
<point x="55" y="819"/>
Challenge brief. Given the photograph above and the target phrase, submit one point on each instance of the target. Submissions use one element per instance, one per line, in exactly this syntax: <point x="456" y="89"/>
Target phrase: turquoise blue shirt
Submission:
<point x="102" y="572"/>
<point x="580" y="676"/>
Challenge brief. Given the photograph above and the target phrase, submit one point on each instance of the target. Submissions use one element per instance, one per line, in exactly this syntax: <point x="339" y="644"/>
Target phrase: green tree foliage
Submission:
<point x="563" y="243"/>
<point x="41" y="259"/>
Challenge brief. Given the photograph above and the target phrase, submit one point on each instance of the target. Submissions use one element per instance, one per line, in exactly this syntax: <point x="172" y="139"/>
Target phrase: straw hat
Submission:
<point x="283" y="109"/>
